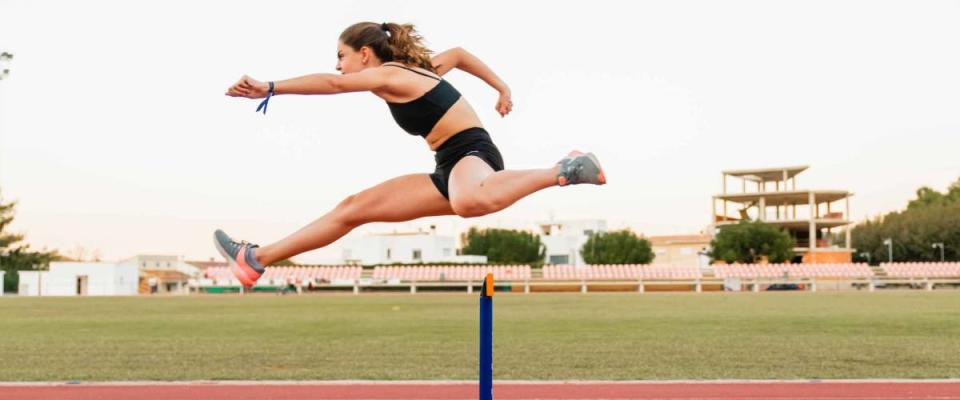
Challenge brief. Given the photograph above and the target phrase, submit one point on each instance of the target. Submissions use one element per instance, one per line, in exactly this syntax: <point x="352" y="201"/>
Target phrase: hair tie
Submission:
<point x="385" y="28"/>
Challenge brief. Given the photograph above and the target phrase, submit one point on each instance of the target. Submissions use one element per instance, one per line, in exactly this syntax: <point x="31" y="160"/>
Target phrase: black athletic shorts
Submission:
<point x="470" y="142"/>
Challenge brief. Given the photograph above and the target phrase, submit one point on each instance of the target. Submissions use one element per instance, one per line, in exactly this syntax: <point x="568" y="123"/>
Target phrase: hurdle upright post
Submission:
<point x="486" y="339"/>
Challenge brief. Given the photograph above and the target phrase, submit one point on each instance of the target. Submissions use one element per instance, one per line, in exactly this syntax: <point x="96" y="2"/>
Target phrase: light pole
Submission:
<point x="866" y="255"/>
<point x="940" y="245"/>
<point x="889" y="243"/>
<point x="3" y="253"/>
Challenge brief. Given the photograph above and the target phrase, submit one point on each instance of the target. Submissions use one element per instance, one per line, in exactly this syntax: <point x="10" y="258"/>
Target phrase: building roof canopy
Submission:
<point x="766" y="174"/>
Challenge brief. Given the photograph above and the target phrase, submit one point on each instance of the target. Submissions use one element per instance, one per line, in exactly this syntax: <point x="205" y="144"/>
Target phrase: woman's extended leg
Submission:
<point x="399" y="199"/>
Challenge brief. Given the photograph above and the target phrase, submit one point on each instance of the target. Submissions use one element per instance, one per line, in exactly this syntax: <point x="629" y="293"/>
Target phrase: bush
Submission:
<point x="505" y="246"/>
<point x="617" y="247"/>
<point x="750" y="241"/>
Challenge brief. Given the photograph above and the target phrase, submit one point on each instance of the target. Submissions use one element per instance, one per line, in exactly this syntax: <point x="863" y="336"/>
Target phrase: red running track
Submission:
<point x="702" y="390"/>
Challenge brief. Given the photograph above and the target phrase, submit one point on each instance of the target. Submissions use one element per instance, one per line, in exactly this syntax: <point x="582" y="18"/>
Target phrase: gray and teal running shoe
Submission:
<point x="578" y="168"/>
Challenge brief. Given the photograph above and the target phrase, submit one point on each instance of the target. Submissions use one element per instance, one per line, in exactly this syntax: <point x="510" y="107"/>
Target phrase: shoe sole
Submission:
<point x="601" y="177"/>
<point x="234" y="267"/>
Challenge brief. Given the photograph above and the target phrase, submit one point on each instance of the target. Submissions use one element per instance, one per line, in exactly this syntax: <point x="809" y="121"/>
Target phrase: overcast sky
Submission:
<point x="115" y="134"/>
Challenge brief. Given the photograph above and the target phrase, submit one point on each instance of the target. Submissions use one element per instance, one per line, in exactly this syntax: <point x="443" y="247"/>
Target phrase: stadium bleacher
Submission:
<point x="451" y="272"/>
<point x="755" y="271"/>
<point x="922" y="269"/>
<point x="622" y="271"/>
<point x="222" y="276"/>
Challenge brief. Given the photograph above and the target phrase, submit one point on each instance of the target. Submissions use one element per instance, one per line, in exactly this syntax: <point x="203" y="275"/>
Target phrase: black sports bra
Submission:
<point x="419" y="116"/>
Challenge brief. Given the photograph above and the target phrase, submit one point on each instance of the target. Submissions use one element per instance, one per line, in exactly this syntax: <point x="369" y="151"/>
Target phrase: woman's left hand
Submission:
<point x="504" y="104"/>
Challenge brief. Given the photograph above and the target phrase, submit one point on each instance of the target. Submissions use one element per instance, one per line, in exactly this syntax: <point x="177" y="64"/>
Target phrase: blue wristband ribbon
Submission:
<point x="263" y="104"/>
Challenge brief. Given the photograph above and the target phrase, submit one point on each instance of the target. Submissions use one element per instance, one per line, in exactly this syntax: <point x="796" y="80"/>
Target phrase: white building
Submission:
<point x="146" y="262"/>
<point x="564" y="239"/>
<point x="681" y="250"/>
<point x="163" y="273"/>
<point x="423" y="246"/>
<point x="80" y="279"/>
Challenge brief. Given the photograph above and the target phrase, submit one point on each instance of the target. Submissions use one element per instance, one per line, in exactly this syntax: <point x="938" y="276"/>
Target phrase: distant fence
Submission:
<point x="633" y="277"/>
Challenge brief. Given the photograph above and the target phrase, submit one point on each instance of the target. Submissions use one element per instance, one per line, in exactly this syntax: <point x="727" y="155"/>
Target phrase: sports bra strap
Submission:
<point x="412" y="70"/>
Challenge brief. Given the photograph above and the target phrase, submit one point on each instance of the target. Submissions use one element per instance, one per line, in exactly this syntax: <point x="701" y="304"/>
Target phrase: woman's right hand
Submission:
<point x="249" y="88"/>
<point x="504" y="103"/>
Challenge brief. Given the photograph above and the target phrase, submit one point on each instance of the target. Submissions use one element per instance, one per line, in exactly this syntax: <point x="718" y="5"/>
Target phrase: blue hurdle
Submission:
<point x="486" y="339"/>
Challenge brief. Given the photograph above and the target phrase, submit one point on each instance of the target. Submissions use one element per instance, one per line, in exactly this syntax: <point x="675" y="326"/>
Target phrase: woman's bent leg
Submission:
<point x="475" y="189"/>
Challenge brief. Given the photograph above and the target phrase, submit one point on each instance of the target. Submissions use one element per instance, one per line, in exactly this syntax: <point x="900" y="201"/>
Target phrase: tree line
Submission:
<point x="508" y="246"/>
<point x="928" y="228"/>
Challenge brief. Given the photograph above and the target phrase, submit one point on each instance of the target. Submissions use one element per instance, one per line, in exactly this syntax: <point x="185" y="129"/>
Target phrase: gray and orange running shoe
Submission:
<point x="578" y="168"/>
<point x="240" y="256"/>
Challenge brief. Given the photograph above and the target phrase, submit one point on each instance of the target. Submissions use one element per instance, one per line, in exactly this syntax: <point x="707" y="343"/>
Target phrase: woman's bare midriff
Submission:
<point x="457" y="119"/>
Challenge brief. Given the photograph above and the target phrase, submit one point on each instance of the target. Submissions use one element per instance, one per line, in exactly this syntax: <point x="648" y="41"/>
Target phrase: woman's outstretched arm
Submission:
<point x="457" y="57"/>
<point x="369" y="79"/>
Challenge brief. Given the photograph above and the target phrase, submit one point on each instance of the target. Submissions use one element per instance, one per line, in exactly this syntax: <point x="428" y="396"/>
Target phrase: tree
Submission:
<point x="750" y="241"/>
<point x="927" y="197"/>
<point x="17" y="257"/>
<point x="81" y="254"/>
<point x="504" y="246"/>
<point x="5" y="57"/>
<point x="932" y="217"/>
<point x="617" y="247"/>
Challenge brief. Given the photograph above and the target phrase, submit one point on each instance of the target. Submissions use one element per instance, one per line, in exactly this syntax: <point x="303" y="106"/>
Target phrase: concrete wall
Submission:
<point x="29" y="283"/>
<point x="67" y="279"/>
<point x="399" y="248"/>
<point x="828" y="257"/>
<point x="681" y="254"/>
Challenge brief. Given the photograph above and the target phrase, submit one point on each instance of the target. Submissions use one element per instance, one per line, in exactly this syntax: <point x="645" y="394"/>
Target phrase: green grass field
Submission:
<point x="434" y="336"/>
